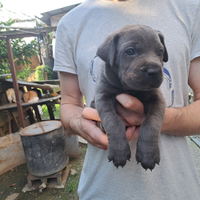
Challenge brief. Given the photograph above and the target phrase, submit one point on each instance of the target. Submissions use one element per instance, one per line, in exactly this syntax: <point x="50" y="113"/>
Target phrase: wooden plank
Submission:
<point x="40" y="102"/>
<point x="4" y="115"/>
<point x="5" y="86"/>
<point x="53" y="82"/>
<point x="11" y="152"/>
<point x="3" y="97"/>
<point x="4" y="76"/>
<point x="20" y="35"/>
<point x="30" y="84"/>
<point x="2" y="38"/>
<point x="16" y="126"/>
<point x="25" y="32"/>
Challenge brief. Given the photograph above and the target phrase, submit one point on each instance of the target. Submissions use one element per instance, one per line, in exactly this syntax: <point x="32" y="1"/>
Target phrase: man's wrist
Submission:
<point x="171" y="115"/>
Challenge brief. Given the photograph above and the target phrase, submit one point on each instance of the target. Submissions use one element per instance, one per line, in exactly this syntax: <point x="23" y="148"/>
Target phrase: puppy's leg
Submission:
<point x="14" y="98"/>
<point x="9" y="98"/>
<point x="118" y="146"/>
<point x="92" y="104"/>
<point x="99" y="124"/>
<point x="147" y="146"/>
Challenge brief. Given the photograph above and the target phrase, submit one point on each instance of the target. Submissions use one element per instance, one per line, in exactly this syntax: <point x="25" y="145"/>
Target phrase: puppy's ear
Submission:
<point x="165" y="55"/>
<point x="107" y="50"/>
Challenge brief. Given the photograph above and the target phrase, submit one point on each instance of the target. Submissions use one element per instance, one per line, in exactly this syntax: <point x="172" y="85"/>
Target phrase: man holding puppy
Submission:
<point x="79" y="35"/>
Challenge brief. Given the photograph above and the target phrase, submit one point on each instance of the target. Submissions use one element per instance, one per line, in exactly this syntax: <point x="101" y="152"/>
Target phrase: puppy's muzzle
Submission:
<point x="153" y="71"/>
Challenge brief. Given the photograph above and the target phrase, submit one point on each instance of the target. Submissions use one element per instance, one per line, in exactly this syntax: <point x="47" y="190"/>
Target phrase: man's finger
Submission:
<point x="131" y="133"/>
<point x="94" y="135"/>
<point x="130" y="102"/>
<point x="90" y="113"/>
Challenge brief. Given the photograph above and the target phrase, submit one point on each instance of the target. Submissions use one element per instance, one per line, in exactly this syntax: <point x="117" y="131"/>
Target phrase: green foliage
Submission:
<point x="4" y="69"/>
<point x="45" y="114"/>
<point x="48" y="69"/>
<point x="72" y="185"/>
<point x="8" y="23"/>
<point x="39" y="74"/>
<point x="24" y="74"/>
<point x="21" y="51"/>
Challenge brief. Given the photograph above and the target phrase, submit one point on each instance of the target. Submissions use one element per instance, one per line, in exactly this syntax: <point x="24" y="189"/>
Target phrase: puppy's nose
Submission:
<point x="153" y="71"/>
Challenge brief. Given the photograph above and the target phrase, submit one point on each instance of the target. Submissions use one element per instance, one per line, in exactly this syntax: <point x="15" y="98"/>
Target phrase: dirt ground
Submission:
<point x="14" y="181"/>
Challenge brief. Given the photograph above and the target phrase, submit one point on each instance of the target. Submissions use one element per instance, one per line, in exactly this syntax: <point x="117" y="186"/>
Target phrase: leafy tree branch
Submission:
<point x="21" y="51"/>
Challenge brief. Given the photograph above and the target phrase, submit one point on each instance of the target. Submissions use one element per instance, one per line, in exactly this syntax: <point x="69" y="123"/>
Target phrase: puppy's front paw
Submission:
<point x="147" y="154"/>
<point x="119" y="153"/>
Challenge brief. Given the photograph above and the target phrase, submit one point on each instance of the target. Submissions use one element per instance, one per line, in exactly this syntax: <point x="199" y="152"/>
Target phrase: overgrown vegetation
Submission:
<point x="56" y="109"/>
<point x="39" y="74"/>
<point x="22" y="52"/>
<point x="24" y="74"/>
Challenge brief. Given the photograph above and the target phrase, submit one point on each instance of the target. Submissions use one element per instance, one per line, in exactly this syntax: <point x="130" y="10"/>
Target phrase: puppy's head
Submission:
<point x="135" y="54"/>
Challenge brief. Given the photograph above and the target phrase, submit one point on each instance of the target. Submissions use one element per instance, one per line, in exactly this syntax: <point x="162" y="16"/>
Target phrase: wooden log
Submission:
<point x="11" y="152"/>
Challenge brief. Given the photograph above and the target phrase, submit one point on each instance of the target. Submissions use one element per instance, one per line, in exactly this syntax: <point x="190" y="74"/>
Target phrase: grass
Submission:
<point x="55" y="108"/>
<point x="72" y="185"/>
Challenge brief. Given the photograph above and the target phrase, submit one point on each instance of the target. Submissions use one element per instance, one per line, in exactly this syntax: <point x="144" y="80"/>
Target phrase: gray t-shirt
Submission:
<point x="79" y="34"/>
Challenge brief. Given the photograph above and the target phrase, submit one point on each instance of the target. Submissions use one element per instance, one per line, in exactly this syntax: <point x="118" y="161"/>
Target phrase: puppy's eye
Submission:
<point x="160" y="53"/>
<point x="130" y="51"/>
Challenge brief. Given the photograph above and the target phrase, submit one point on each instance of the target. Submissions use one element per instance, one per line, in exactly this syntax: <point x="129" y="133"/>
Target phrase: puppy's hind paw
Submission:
<point x="120" y="155"/>
<point x="148" y="160"/>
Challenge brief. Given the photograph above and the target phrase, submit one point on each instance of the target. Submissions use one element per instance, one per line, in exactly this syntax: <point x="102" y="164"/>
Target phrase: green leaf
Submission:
<point x="21" y="50"/>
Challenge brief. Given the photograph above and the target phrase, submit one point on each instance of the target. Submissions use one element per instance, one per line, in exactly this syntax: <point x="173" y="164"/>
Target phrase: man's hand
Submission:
<point x="90" y="131"/>
<point x="130" y="111"/>
<point x="82" y="121"/>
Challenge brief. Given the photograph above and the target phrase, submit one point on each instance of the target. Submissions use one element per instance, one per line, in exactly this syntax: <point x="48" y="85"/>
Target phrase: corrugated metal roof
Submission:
<point x="47" y="15"/>
<point x="6" y="14"/>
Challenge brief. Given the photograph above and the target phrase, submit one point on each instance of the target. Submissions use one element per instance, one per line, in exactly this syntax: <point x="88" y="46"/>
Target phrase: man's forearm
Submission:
<point x="183" y="121"/>
<point x="70" y="117"/>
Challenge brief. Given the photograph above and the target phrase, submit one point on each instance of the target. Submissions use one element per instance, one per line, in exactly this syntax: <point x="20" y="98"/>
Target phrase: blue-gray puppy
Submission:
<point x="133" y="58"/>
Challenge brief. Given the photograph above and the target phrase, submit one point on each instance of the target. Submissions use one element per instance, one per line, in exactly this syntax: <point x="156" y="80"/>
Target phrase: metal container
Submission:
<point x="44" y="147"/>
